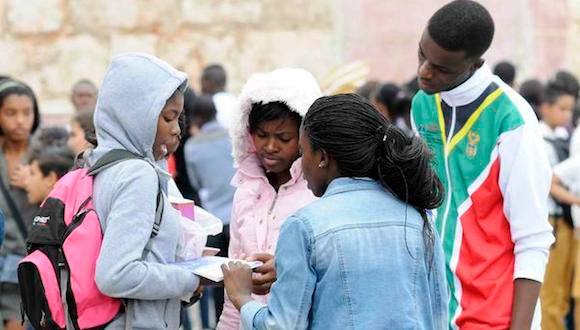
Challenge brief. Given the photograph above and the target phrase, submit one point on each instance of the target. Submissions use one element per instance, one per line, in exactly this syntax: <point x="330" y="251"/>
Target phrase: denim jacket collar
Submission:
<point x="344" y="184"/>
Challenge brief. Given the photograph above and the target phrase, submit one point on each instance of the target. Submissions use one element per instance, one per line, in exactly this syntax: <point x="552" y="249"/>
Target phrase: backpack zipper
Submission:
<point x="77" y="221"/>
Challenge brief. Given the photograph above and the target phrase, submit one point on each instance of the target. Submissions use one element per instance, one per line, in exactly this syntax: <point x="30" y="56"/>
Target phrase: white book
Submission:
<point x="210" y="267"/>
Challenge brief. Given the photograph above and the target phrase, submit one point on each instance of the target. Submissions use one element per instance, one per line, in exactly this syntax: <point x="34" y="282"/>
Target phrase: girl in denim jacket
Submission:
<point x="269" y="181"/>
<point x="365" y="255"/>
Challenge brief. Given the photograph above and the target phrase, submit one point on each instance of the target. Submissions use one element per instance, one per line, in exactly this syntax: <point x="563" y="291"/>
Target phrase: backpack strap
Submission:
<point x="64" y="283"/>
<point x="158" y="216"/>
<point x="112" y="158"/>
<point x="117" y="156"/>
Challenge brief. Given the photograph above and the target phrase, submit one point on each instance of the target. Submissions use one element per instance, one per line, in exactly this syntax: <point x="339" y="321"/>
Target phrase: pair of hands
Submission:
<point x="240" y="282"/>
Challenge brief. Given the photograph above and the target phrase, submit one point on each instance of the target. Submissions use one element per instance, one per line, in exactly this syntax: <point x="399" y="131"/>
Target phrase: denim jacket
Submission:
<point x="358" y="258"/>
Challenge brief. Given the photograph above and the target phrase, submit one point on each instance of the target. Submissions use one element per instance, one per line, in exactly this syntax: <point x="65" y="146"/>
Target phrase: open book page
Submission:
<point x="210" y="267"/>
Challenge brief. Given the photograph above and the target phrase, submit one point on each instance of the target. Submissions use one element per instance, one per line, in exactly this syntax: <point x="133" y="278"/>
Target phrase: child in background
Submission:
<point x="48" y="136"/>
<point x="269" y="180"/>
<point x="395" y="104"/>
<point x="46" y="168"/>
<point x="532" y="90"/>
<point x="19" y="119"/>
<point x="82" y="129"/>
<point x="556" y="109"/>
<point x="555" y="293"/>
<point x="566" y="189"/>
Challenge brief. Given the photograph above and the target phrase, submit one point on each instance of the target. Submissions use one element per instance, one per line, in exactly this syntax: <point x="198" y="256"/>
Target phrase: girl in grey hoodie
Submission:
<point x="138" y="110"/>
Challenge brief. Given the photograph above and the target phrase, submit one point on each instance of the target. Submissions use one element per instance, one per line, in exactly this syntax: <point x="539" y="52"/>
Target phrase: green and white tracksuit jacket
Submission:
<point x="490" y="156"/>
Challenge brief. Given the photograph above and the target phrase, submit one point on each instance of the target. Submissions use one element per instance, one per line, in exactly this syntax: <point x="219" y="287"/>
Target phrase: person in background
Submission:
<point x="366" y="241"/>
<point x="557" y="107"/>
<point x="84" y="95"/>
<point x="367" y="89"/>
<point x="210" y="168"/>
<point x="19" y="119"/>
<point x="411" y="86"/>
<point x="556" y="292"/>
<point x="46" y="168"/>
<point x="81" y="127"/>
<point x="395" y="104"/>
<point x="209" y="162"/>
<point x="177" y="160"/>
<point x="506" y="71"/>
<point x="385" y="98"/>
<point x="532" y="91"/>
<point x="48" y="136"/>
<point x="566" y="190"/>
<point x="488" y="152"/>
<point x="213" y="82"/>
<point x="187" y="131"/>
<point x="568" y="81"/>
<point x="269" y="182"/>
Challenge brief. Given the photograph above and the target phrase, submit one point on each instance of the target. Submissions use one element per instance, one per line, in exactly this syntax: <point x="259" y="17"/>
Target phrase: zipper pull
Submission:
<point x="60" y="258"/>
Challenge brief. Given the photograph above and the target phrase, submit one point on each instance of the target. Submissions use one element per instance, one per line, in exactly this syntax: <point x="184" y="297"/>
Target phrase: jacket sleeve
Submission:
<point x="524" y="179"/>
<point x="230" y="318"/>
<point x="120" y="271"/>
<point x="291" y="295"/>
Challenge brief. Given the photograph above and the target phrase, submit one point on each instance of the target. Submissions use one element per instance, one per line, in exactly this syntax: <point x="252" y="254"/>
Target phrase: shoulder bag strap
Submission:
<point x="14" y="210"/>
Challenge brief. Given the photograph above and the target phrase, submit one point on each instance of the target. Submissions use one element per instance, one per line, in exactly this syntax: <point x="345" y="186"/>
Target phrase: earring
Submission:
<point x="321" y="165"/>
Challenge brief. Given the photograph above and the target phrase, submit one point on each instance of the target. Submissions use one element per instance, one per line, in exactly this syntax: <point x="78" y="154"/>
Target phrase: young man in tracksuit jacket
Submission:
<point x="488" y="152"/>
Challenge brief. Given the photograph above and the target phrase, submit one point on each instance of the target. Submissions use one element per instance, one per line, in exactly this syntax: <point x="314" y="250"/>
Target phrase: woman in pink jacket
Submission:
<point x="269" y="181"/>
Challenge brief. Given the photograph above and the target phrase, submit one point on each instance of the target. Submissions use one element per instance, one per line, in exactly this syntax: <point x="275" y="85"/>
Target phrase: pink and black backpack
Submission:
<point x="57" y="277"/>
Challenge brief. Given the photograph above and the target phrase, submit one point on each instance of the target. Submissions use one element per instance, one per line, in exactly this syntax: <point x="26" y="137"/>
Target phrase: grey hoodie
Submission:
<point x="134" y="91"/>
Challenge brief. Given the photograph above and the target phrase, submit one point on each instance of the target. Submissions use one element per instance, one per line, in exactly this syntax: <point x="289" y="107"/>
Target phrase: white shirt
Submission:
<point x="575" y="142"/>
<point x="557" y="133"/>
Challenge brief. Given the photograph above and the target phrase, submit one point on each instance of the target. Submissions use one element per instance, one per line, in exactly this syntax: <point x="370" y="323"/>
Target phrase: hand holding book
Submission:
<point x="238" y="282"/>
<point x="265" y="275"/>
<point x="210" y="267"/>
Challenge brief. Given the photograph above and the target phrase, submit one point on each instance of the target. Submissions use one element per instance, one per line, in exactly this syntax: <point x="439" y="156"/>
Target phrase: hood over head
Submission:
<point x="132" y="95"/>
<point x="297" y="88"/>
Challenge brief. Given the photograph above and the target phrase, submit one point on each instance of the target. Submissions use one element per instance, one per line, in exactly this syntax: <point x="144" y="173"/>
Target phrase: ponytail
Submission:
<point x="403" y="166"/>
<point x="365" y="144"/>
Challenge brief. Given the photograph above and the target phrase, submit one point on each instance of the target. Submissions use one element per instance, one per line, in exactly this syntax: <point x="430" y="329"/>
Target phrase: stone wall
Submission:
<point x="52" y="43"/>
